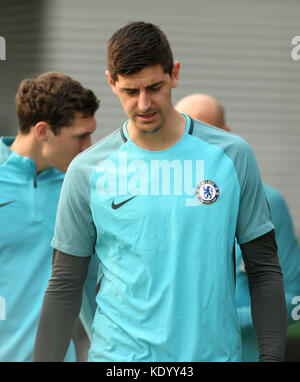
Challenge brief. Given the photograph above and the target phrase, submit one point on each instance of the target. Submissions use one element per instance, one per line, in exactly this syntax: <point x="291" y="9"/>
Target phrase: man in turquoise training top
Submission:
<point x="155" y="201"/>
<point x="56" y="120"/>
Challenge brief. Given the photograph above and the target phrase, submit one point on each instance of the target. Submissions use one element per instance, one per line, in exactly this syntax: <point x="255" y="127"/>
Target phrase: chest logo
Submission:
<point x="5" y="204"/>
<point x="207" y="192"/>
<point x="116" y="206"/>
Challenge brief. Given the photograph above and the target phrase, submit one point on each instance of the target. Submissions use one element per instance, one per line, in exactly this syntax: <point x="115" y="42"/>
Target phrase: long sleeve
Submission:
<point x="61" y="307"/>
<point x="268" y="305"/>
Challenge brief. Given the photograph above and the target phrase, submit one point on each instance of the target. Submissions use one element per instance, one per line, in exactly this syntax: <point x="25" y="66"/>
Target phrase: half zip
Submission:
<point x="36" y="214"/>
<point x="35" y="202"/>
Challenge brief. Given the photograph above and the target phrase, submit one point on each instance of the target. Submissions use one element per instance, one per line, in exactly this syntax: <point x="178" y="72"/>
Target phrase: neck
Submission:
<point x="26" y="145"/>
<point x="165" y="137"/>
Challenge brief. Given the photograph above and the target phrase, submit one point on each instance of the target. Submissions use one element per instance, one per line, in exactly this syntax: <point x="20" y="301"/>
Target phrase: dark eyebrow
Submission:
<point x="128" y="89"/>
<point x="155" y="84"/>
<point x="147" y="87"/>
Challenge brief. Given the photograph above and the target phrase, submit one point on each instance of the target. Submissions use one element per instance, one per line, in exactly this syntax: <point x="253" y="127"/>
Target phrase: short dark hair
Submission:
<point x="135" y="46"/>
<point x="54" y="98"/>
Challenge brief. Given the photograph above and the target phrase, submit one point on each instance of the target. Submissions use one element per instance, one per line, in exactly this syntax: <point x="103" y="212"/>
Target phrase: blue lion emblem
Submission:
<point x="208" y="192"/>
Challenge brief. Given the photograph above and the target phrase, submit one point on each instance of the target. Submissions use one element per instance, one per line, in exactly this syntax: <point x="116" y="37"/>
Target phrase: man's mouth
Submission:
<point x="147" y="116"/>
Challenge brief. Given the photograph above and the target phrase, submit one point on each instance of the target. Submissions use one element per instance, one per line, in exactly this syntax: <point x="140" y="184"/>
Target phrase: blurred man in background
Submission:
<point x="208" y="109"/>
<point x="56" y="120"/>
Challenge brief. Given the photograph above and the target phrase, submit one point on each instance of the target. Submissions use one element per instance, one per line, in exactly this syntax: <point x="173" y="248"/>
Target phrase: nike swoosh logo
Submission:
<point x="116" y="206"/>
<point x="5" y="204"/>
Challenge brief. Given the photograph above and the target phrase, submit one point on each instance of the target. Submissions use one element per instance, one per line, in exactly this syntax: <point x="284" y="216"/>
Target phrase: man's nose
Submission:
<point x="144" y="102"/>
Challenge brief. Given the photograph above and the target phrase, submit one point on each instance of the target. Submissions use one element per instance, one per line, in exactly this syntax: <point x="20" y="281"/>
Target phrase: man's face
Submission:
<point x="60" y="149"/>
<point x="146" y="96"/>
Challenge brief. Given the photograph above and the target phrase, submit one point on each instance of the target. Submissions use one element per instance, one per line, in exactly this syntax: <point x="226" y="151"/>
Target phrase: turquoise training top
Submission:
<point x="163" y="225"/>
<point x="289" y="259"/>
<point x="28" y="204"/>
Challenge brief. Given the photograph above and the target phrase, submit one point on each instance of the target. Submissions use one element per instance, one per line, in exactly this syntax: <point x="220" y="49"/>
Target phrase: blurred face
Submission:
<point x="60" y="149"/>
<point x="146" y="96"/>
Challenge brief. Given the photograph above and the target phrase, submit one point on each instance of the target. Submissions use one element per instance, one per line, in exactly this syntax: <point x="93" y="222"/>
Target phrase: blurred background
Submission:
<point x="237" y="51"/>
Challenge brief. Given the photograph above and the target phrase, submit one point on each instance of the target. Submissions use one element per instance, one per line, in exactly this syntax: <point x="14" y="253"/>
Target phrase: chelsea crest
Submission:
<point x="207" y="192"/>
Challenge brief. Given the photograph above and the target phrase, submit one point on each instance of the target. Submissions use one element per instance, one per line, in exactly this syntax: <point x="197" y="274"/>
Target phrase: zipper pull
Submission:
<point x="34" y="181"/>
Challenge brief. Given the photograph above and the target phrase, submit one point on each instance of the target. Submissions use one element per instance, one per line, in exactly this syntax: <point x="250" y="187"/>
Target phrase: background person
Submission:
<point x="208" y="109"/>
<point x="167" y="288"/>
<point x="56" y="120"/>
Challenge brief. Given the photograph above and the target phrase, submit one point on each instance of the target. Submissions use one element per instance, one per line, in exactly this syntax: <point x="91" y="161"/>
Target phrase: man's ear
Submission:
<point x="175" y="74"/>
<point x="111" y="81"/>
<point x="41" y="131"/>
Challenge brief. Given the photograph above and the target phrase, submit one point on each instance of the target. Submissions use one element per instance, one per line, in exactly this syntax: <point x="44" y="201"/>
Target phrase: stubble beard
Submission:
<point x="147" y="131"/>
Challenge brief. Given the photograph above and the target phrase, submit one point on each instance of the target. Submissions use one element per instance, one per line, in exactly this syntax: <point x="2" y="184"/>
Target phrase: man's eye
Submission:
<point x="131" y="92"/>
<point x="155" y="89"/>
